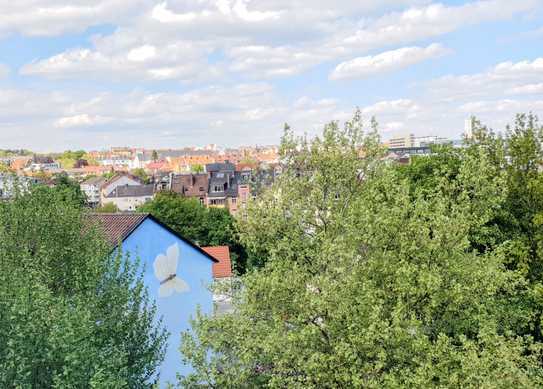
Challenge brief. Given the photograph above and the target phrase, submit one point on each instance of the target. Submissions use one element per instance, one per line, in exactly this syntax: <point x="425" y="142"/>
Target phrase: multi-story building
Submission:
<point x="191" y="185"/>
<point x="92" y="188"/>
<point x="10" y="184"/>
<point x="129" y="197"/>
<point x="223" y="186"/>
<point x="407" y="140"/>
<point x="120" y="180"/>
<point x="42" y="163"/>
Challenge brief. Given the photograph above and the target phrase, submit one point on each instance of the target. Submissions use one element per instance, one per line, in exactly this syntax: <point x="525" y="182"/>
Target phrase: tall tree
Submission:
<point x="366" y="281"/>
<point x="71" y="313"/>
<point x="69" y="188"/>
<point x="205" y="227"/>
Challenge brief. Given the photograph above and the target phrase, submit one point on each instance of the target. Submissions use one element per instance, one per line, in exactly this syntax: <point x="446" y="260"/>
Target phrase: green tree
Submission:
<point x="107" y="208"/>
<point x="142" y="175"/>
<point x="368" y="282"/>
<point x="205" y="227"/>
<point x="514" y="225"/>
<point x="72" y="315"/>
<point x="154" y="156"/>
<point x="5" y="168"/>
<point x="197" y="168"/>
<point x="69" y="187"/>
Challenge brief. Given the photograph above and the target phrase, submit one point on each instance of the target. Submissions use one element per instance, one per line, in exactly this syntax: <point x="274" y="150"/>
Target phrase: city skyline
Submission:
<point x="167" y="74"/>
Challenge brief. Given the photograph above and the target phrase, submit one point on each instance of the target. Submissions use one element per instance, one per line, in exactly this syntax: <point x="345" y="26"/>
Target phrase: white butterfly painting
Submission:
<point x="165" y="267"/>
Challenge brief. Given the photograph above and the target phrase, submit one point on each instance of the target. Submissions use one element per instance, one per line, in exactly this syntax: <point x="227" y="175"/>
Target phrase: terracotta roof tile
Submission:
<point x="117" y="226"/>
<point x="223" y="268"/>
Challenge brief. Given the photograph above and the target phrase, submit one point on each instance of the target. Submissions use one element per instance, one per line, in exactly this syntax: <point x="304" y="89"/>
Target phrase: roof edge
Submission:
<point x="170" y="230"/>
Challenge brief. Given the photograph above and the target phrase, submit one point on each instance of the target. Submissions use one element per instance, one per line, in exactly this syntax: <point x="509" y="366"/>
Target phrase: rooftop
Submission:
<point x="132" y="191"/>
<point x="118" y="226"/>
<point x="223" y="268"/>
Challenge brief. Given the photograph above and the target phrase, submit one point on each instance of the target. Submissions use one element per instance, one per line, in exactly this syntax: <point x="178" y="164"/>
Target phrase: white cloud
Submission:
<point x="433" y="20"/>
<point x="81" y="120"/>
<point x="159" y="40"/>
<point x="504" y="105"/>
<point x="55" y="17"/>
<point x="505" y="77"/>
<point x="231" y="8"/>
<point x="181" y="60"/>
<point x="213" y="46"/>
<point x="266" y="61"/>
<point x="363" y="67"/>
<point x="392" y="107"/>
<point x="4" y="71"/>
<point x="142" y="53"/>
<point x="529" y="89"/>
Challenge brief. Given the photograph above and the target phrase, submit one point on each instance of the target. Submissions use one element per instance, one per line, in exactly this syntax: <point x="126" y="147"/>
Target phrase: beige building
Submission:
<point x="407" y="140"/>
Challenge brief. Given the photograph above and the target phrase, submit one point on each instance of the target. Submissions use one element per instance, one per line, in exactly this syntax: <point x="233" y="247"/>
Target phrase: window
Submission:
<point x="217" y="188"/>
<point x="201" y="189"/>
<point x="234" y="200"/>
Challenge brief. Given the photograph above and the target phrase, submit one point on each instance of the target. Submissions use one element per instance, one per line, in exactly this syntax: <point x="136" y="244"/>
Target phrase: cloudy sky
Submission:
<point x="171" y="73"/>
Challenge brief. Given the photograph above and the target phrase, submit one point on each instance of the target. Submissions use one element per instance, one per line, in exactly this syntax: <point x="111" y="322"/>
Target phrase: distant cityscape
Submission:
<point x="125" y="178"/>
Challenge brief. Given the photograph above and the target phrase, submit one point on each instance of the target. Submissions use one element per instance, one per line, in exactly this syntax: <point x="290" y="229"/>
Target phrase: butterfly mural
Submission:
<point x="165" y="267"/>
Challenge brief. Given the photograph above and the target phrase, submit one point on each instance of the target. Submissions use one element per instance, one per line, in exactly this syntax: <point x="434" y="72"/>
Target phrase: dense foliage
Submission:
<point x="69" y="188"/>
<point x="68" y="158"/>
<point x="374" y="275"/>
<point x="107" y="208"/>
<point x="204" y="226"/>
<point x="71" y="314"/>
<point x="142" y="175"/>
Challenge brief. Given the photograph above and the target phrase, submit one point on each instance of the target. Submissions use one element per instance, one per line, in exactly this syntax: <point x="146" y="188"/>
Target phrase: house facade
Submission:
<point x="10" y="184"/>
<point x="223" y="186"/>
<point x="126" y="191"/>
<point x="177" y="273"/>
<point x="92" y="189"/>
<point x="128" y="198"/>
<point x="191" y="185"/>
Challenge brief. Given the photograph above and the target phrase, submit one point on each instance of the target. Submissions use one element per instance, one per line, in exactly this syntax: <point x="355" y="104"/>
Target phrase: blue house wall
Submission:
<point x="150" y="240"/>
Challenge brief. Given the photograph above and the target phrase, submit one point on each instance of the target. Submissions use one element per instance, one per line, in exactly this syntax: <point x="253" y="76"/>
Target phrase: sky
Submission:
<point x="172" y="73"/>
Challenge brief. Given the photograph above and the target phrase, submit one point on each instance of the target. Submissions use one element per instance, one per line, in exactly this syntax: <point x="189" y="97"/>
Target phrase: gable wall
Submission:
<point x="147" y="242"/>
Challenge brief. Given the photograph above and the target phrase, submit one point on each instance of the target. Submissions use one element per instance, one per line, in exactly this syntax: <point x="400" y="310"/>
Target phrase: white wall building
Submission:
<point x="92" y="189"/>
<point x="129" y="197"/>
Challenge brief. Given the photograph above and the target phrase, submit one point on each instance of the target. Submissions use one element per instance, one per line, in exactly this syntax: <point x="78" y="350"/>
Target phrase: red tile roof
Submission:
<point x="117" y="226"/>
<point x="223" y="268"/>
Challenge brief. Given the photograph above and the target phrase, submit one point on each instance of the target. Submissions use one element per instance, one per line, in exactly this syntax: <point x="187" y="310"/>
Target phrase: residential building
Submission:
<point x="423" y="141"/>
<point x="244" y="194"/>
<point x="223" y="186"/>
<point x="191" y="185"/>
<point x="119" y="180"/>
<point x="92" y="188"/>
<point x="11" y="183"/>
<point x="407" y="140"/>
<point x="18" y="163"/>
<point x="129" y="197"/>
<point x="42" y="164"/>
<point x="469" y="126"/>
<point x="176" y="272"/>
<point x="222" y="274"/>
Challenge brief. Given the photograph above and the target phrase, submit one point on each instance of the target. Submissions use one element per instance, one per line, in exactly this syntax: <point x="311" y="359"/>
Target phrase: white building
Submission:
<point x="423" y="141"/>
<point x="119" y="180"/>
<point x="468" y="127"/>
<point x="92" y="189"/>
<point x="129" y="197"/>
<point x="401" y="141"/>
<point x="11" y="183"/>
